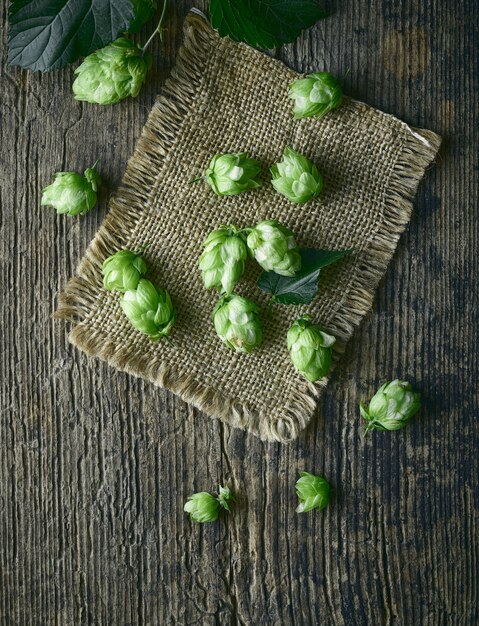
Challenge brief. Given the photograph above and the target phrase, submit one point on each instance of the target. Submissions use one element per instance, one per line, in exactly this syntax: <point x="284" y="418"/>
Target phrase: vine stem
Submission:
<point x="158" y="29"/>
<point x="247" y="230"/>
<point x="142" y="248"/>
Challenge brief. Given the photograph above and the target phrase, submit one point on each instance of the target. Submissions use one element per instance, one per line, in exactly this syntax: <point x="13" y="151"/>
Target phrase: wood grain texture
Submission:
<point x="95" y="466"/>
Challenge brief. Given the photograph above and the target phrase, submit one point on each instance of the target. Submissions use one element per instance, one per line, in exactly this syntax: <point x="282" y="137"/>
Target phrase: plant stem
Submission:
<point x="142" y="248"/>
<point x="244" y="232"/>
<point x="158" y="29"/>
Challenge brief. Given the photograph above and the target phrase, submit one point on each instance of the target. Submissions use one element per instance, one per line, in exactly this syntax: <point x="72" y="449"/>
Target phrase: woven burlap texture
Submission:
<point x="227" y="97"/>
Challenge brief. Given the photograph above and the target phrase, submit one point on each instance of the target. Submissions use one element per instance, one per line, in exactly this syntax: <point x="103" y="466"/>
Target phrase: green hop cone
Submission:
<point x="71" y="193"/>
<point x="274" y="248"/>
<point x="123" y="270"/>
<point x="149" y="309"/>
<point x="223" y="259"/>
<point x="231" y="174"/>
<point x="112" y="73"/>
<point x="310" y="348"/>
<point x="144" y="10"/>
<point x="237" y="323"/>
<point x="204" y="507"/>
<point x="316" y="94"/>
<point x="313" y="492"/>
<point x="391" y="407"/>
<point x="296" y="177"/>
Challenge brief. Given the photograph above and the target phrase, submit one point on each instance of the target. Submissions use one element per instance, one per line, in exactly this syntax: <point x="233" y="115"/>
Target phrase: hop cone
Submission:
<point x="296" y="177"/>
<point x="149" y="309"/>
<point x="204" y="507"/>
<point x="71" y="193"/>
<point x="223" y="259"/>
<point x="123" y="270"/>
<point x="274" y="247"/>
<point x="112" y="73"/>
<point x="310" y="348"/>
<point x="230" y="174"/>
<point x="313" y="492"/>
<point x="317" y="94"/>
<point x="237" y="323"/>
<point x="391" y="407"/>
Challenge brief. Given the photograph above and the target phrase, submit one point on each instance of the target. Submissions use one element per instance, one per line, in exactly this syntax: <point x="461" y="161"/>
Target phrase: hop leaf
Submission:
<point x="303" y="286"/>
<point x="122" y="271"/>
<point x="231" y="174"/>
<point x="49" y="34"/>
<point x="274" y="248"/>
<point x="315" y="95"/>
<point x="264" y="23"/>
<point x="223" y="259"/>
<point x="313" y="492"/>
<point x="71" y="193"/>
<point x="296" y="178"/>
<point x="391" y="407"/>
<point x="204" y="507"/>
<point x="144" y="10"/>
<point x="112" y="73"/>
<point x="237" y="323"/>
<point x="310" y="348"/>
<point x="149" y="309"/>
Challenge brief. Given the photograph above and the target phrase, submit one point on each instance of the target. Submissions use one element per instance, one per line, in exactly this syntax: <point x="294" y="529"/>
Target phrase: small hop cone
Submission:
<point x="310" y="348"/>
<point x="149" y="309"/>
<point x="224" y="496"/>
<point x="122" y="271"/>
<point x="231" y="174"/>
<point x="71" y="193"/>
<point x="222" y="262"/>
<point x="392" y="406"/>
<point x="296" y="178"/>
<point x="204" y="507"/>
<point x="237" y="323"/>
<point x="274" y="248"/>
<point x="315" y="95"/>
<point x="313" y="492"/>
<point x="112" y="73"/>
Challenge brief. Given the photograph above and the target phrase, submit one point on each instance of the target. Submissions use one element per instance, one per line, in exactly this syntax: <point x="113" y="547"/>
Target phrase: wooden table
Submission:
<point x="96" y="465"/>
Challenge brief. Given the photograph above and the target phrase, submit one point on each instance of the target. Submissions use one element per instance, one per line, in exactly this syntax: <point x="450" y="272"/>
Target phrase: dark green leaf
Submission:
<point x="144" y="10"/>
<point x="301" y="288"/>
<point x="264" y="23"/>
<point x="48" y="34"/>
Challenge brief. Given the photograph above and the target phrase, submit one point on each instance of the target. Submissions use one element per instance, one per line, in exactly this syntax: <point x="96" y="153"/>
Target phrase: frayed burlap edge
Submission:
<point x="82" y="294"/>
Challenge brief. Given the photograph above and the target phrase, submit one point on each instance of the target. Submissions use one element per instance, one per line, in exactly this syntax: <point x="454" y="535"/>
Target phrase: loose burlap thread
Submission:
<point x="227" y="97"/>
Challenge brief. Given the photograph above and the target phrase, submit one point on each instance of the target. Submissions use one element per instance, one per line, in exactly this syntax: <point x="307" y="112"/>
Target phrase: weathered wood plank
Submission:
<point x="96" y="465"/>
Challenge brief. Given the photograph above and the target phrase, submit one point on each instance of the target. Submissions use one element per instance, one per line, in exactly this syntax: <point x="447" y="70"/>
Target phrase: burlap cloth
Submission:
<point x="227" y="97"/>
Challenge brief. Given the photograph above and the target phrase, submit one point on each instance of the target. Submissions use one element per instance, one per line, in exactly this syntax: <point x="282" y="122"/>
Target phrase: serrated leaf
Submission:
<point x="144" y="10"/>
<point x="301" y="288"/>
<point x="264" y="23"/>
<point x="49" y="34"/>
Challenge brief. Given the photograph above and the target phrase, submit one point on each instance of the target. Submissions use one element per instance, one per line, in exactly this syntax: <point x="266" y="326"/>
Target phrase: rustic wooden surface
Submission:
<point x="96" y="466"/>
